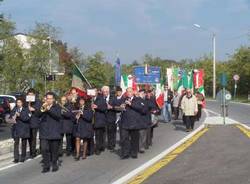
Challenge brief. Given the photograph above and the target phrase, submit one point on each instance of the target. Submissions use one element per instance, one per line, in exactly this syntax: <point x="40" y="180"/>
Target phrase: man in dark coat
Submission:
<point x="21" y="129"/>
<point x="130" y="123"/>
<point x="67" y="123"/>
<point x="117" y="103"/>
<point x="111" y="118"/>
<point x="154" y="112"/>
<point x="143" y="120"/>
<point x="100" y="121"/>
<point x="34" y="107"/>
<point x="50" y="132"/>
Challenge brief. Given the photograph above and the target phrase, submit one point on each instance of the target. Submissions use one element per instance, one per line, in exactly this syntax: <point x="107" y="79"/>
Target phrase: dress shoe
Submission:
<point x="77" y="158"/>
<point x="55" y="168"/>
<point x="45" y="170"/>
<point x="124" y="157"/>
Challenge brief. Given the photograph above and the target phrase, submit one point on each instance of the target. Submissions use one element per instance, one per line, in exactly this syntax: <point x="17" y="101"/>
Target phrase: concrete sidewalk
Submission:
<point x="220" y="156"/>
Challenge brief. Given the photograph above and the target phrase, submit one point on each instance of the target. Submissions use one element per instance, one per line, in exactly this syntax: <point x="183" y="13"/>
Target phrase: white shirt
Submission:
<point x="107" y="98"/>
<point x="165" y="95"/>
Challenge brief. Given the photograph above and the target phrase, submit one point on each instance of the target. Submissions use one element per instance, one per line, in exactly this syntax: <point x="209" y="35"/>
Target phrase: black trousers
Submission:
<point x="176" y="113"/>
<point x="100" y="139"/>
<point x="16" y="148"/>
<point x="111" y="135"/>
<point x="50" y="150"/>
<point x="189" y="122"/>
<point x="130" y="143"/>
<point x="32" y="141"/>
<point x="68" y="143"/>
<point x="184" y="119"/>
<point x="91" y="146"/>
<point x="198" y="116"/>
<point x="149" y="137"/>
<point x="120" y="133"/>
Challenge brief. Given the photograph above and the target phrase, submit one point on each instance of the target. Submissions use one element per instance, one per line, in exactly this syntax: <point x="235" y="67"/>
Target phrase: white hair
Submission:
<point x="105" y="88"/>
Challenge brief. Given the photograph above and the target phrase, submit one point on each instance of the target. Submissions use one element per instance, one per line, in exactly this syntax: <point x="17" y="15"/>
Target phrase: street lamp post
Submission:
<point x="214" y="65"/>
<point x="50" y="54"/>
<point x="214" y="57"/>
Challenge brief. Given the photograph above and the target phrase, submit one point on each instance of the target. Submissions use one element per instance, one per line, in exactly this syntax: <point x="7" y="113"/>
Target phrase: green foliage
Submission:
<point x="97" y="71"/>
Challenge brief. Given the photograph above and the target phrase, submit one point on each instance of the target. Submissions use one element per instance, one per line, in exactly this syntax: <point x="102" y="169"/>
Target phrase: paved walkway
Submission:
<point x="220" y="156"/>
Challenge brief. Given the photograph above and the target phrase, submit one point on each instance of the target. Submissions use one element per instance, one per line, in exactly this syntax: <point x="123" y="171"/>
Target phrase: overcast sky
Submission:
<point x="162" y="28"/>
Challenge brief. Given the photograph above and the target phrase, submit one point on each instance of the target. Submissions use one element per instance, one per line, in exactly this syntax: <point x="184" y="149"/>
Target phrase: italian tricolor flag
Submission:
<point x="128" y="81"/>
<point x="198" y="81"/>
<point x="159" y="95"/>
<point x="78" y="81"/>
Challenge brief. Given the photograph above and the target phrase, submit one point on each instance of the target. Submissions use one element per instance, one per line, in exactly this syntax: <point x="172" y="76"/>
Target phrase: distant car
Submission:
<point x="18" y="95"/>
<point x="10" y="99"/>
<point x="7" y="103"/>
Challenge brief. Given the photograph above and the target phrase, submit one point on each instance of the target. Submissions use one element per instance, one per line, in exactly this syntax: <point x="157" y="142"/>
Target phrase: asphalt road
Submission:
<point x="236" y="111"/>
<point x="221" y="156"/>
<point x="5" y="132"/>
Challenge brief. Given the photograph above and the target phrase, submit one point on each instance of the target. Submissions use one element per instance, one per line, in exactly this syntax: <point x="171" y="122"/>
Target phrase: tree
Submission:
<point x="97" y="71"/>
<point x="239" y="64"/>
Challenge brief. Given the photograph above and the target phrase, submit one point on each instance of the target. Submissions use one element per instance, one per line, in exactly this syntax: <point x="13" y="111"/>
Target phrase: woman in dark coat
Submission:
<point x="20" y="129"/>
<point x="67" y="125"/>
<point x="84" y="128"/>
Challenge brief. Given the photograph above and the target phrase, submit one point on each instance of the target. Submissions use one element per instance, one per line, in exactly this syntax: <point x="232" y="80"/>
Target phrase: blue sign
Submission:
<point x="152" y="76"/>
<point x="223" y="79"/>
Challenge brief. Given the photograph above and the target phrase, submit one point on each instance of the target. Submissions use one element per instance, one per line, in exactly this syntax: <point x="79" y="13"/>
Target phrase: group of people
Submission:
<point x="190" y="105"/>
<point x="90" y="124"/>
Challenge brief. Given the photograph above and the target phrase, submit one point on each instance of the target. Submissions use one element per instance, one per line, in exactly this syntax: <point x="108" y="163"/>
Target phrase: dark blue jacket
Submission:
<point x="22" y="127"/>
<point x="51" y="125"/>
<point x="100" y="120"/>
<point x="67" y="119"/>
<point x="131" y="117"/>
<point x="84" y="127"/>
<point x="111" y="113"/>
<point x="145" y="120"/>
<point x="35" y="120"/>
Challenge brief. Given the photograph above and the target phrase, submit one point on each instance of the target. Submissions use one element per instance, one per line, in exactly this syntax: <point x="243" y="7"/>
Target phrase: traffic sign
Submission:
<point x="236" y="77"/>
<point x="220" y="96"/>
<point x="228" y="96"/>
<point x="223" y="79"/>
<point x="151" y="75"/>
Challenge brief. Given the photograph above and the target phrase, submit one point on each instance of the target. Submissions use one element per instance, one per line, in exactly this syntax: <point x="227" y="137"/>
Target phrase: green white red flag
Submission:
<point x="128" y="81"/>
<point x="79" y="82"/>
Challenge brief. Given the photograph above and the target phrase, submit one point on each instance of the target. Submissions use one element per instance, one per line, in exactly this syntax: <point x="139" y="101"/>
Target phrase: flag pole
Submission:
<point x="83" y="75"/>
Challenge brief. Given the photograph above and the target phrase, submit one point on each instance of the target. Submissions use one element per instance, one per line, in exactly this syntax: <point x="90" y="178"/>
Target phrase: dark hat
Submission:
<point x="118" y="88"/>
<point x="149" y="91"/>
<point x="142" y="90"/>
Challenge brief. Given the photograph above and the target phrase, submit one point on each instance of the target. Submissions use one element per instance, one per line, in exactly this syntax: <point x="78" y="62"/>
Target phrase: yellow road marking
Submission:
<point x="167" y="159"/>
<point x="244" y="130"/>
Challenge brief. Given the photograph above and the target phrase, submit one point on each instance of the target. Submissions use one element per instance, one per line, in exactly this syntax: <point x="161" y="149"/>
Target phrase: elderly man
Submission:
<point x="130" y="124"/>
<point x="189" y="107"/>
<point x="100" y="107"/>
